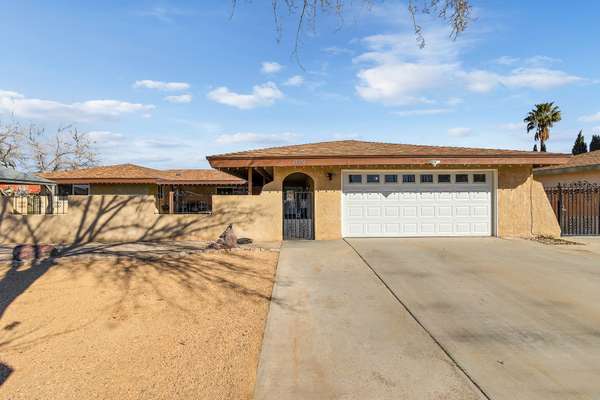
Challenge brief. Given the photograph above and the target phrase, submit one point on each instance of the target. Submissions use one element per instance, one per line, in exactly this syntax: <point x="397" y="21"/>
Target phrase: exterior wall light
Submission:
<point x="330" y="175"/>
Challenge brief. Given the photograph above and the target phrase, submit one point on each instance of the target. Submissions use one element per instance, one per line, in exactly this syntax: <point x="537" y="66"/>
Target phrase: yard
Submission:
<point x="134" y="321"/>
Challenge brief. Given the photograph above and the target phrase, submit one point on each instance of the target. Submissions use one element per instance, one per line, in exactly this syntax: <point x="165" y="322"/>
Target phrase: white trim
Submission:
<point x="435" y="171"/>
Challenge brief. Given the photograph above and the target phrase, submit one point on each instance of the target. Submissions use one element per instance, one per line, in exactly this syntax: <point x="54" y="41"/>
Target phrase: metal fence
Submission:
<point x="33" y="204"/>
<point x="577" y="208"/>
<point x="298" y="215"/>
<point x="183" y="205"/>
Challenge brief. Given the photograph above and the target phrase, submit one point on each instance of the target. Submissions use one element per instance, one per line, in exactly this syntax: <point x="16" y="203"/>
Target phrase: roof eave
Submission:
<point x="546" y="159"/>
<point x="566" y="169"/>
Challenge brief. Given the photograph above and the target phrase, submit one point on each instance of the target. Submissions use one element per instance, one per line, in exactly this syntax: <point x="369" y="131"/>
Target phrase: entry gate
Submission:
<point x="577" y="208"/>
<point x="298" y="215"/>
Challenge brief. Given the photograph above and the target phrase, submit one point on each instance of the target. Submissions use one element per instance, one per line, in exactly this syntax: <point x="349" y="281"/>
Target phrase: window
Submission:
<point x="391" y="179"/>
<point x="478" y="178"/>
<point x="372" y="178"/>
<point x="81" y="190"/>
<point x="427" y="178"/>
<point x="408" y="178"/>
<point x="462" y="178"/>
<point x="354" y="178"/>
<point x="65" y="190"/>
<point x="445" y="178"/>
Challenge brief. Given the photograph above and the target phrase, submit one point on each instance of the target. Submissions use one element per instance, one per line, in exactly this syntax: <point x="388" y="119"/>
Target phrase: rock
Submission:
<point x="28" y="251"/>
<point x="244" y="241"/>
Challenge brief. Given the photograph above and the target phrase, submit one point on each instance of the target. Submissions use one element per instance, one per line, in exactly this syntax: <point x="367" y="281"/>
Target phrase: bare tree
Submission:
<point x="11" y="145"/>
<point x="67" y="149"/>
<point x="457" y="13"/>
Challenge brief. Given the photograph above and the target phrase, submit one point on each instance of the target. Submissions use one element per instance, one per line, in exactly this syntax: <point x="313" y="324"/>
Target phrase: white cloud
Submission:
<point x="262" y="95"/>
<point x="506" y="60"/>
<point x="164" y="14"/>
<point x="24" y="107"/>
<point x="296" y="80"/>
<point x="459" y="132"/>
<point x="251" y="137"/>
<point x="159" y="85"/>
<point x="424" y="111"/>
<point x="512" y="126"/>
<point x="400" y="73"/>
<point x="590" y="118"/>
<point x="454" y="101"/>
<point x="182" y="98"/>
<point x="528" y="78"/>
<point x="268" y="67"/>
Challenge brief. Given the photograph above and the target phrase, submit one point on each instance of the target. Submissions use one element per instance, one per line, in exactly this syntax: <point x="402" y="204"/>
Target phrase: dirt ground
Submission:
<point x="162" y="322"/>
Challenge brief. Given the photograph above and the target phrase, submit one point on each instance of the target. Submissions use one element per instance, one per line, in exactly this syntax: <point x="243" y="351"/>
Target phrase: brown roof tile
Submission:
<point x="580" y="160"/>
<point x="131" y="173"/>
<point x="348" y="149"/>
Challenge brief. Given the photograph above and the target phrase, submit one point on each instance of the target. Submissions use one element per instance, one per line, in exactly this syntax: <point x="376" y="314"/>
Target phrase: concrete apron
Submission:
<point x="334" y="331"/>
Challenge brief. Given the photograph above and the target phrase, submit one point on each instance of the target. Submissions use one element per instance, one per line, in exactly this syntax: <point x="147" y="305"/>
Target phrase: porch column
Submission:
<point x="250" y="181"/>
<point x="171" y="202"/>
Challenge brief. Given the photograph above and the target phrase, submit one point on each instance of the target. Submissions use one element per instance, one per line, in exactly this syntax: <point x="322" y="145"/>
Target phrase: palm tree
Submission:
<point x="541" y="119"/>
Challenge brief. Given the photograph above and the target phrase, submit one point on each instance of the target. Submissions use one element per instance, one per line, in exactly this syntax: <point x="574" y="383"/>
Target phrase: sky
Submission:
<point x="166" y="83"/>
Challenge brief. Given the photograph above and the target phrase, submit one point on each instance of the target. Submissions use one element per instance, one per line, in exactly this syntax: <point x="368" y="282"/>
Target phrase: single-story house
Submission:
<point x="580" y="168"/>
<point x="15" y="181"/>
<point x="177" y="191"/>
<point x="327" y="190"/>
<point x="355" y="188"/>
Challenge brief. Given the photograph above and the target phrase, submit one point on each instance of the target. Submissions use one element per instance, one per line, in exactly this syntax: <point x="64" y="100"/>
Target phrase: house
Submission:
<point x="354" y="188"/>
<point x="580" y="168"/>
<point x="326" y="190"/>
<point x="183" y="191"/>
<point x="20" y="182"/>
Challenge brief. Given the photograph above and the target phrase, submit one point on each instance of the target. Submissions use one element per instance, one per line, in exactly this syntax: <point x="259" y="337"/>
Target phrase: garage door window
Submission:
<point x="354" y="178"/>
<point x="478" y="178"/>
<point x="372" y="178"/>
<point x="391" y="179"/>
<point x="408" y="178"/>
<point x="427" y="178"/>
<point x="445" y="178"/>
<point x="462" y="178"/>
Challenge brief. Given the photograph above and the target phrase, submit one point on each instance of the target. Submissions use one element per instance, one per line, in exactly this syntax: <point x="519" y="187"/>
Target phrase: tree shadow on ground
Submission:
<point x="162" y="253"/>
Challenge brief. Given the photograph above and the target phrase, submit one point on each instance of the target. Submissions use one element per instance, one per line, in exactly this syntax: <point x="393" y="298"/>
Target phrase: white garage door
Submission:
<point x="417" y="203"/>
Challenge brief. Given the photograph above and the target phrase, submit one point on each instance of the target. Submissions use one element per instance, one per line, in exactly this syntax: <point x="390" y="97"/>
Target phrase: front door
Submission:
<point x="298" y="215"/>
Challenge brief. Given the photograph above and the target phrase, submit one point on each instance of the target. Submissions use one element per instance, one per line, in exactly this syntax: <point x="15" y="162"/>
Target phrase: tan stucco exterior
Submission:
<point x="522" y="210"/>
<point x="550" y="180"/>
<point x="122" y="189"/>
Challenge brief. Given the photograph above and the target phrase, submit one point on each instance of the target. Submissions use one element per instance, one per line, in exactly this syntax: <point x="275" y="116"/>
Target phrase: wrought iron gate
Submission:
<point x="577" y="208"/>
<point x="297" y="215"/>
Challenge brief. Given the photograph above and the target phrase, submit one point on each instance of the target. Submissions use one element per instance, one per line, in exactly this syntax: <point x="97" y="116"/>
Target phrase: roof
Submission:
<point x="8" y="175"/>
<point x="131" y="173"/>
<point x="355" y="152"/>
<point x="576" y="163"/>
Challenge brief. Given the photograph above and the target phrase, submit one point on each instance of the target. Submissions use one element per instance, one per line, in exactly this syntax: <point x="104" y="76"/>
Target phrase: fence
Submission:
<point x="577" y="208"/>
<point x="39" y="204"/>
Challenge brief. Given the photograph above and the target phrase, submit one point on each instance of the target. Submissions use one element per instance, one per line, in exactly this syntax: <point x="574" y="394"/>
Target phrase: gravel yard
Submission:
<point x="134" y="322"/>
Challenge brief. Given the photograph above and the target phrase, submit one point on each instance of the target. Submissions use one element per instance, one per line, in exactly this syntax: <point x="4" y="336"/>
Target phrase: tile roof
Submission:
<point x="131" y="173"/>
<point x="580" y="160"/>
<point x="360" y="149"/>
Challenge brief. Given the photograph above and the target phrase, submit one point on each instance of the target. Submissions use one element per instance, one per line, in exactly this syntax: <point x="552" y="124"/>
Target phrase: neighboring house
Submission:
<point x="177" y="191"/>
<point x="318" y="191"/>
<point x="580" y="168"/>
<point x="20" y="182"/>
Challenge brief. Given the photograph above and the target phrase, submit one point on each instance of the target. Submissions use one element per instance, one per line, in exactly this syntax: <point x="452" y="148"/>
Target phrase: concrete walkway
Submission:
<point x="335" y="332"/>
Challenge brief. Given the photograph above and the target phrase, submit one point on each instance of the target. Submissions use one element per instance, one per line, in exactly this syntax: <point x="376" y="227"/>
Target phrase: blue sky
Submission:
<point x="164" y="84"/>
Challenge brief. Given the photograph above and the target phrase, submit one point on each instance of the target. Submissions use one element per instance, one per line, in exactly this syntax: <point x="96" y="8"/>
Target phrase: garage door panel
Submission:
<point x="415" y="209"/>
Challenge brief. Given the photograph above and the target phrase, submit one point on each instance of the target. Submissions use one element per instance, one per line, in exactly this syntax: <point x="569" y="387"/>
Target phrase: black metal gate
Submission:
<point x="298" y="215"/>
<point x="577" y="208"/>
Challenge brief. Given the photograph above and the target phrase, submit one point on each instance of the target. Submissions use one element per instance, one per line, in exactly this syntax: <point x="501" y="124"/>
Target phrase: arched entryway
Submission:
<point x="298" y="207"/>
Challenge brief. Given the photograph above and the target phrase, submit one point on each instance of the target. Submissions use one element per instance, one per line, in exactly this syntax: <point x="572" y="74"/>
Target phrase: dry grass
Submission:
<point x="158" y="324"/>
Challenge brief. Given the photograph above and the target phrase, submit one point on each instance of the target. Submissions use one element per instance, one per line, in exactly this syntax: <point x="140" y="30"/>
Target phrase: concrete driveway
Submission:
<point x="433" y="319"/>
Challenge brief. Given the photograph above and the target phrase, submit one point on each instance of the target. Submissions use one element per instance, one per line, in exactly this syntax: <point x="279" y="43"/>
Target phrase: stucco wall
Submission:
<point x="134" y="218"/>
<point x="554" y="180"/>
<point x="523" y="207"/>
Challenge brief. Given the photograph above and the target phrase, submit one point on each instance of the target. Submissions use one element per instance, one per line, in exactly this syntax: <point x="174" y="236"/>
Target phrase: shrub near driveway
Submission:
<point x="155" y="324"/>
